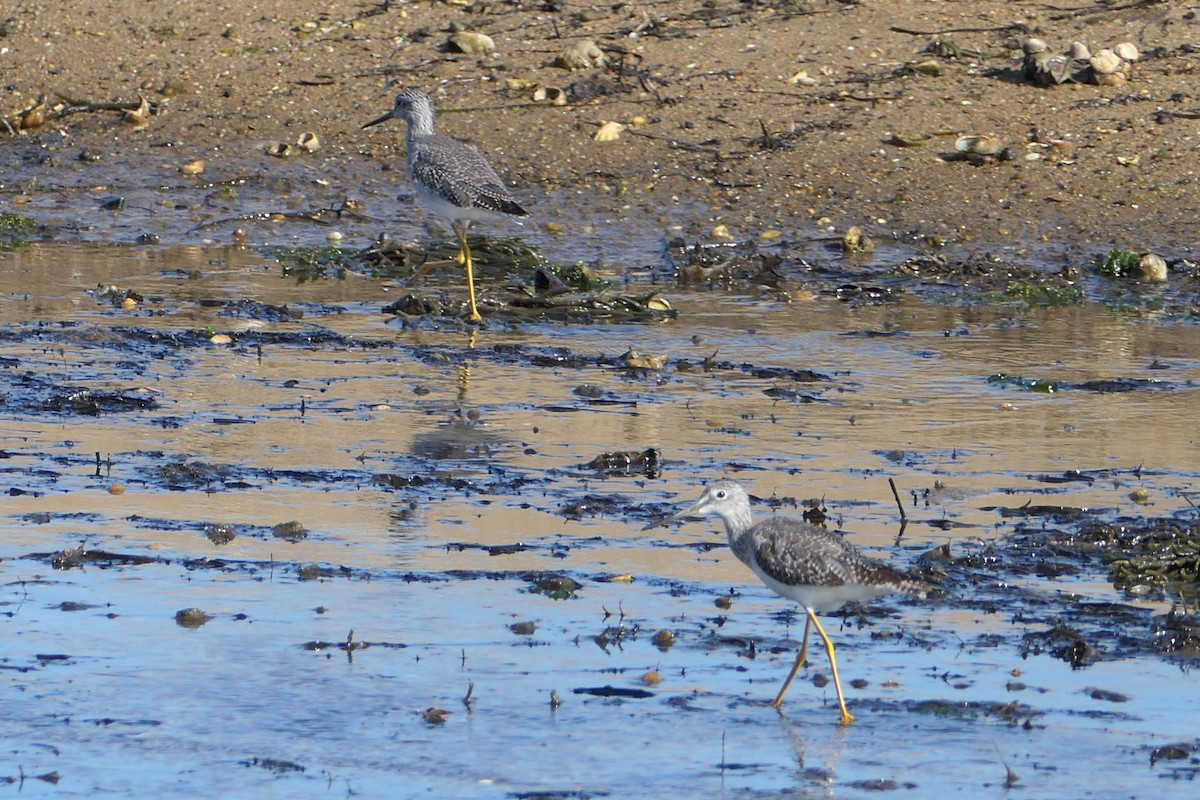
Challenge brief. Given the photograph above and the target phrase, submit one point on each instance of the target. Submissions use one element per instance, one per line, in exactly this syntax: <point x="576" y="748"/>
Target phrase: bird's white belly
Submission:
<point x="449" y="211"/>
<point x="822" y="598"/>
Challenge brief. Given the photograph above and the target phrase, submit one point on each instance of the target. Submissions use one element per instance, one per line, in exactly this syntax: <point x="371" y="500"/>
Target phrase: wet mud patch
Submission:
<point x="515" y="284"/>
<point x="1142" y="558"/>
<point x="786" y="272"/>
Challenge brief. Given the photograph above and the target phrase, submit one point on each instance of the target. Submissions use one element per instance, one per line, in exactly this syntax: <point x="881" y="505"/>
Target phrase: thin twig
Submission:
<point x="903" y="514"/>
<point x="991" y="29"/>
<point x="899" y="505"/>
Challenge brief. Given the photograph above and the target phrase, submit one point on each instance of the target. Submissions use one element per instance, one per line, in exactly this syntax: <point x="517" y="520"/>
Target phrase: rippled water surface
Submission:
<point x="418" y="459"/>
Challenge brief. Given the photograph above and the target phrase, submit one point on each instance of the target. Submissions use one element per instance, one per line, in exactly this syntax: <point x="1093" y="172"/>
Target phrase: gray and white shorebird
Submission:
<point x="451" y="178"/>
<point x="818" y="569"/>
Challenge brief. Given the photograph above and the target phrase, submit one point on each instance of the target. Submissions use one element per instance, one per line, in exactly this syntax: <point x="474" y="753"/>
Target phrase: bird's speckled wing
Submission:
<point x="802" y="554"/>
<point x="460" y="173"/>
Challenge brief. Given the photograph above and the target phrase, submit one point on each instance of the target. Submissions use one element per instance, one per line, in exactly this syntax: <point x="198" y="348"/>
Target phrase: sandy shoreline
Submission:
<point x="721" y="129"/>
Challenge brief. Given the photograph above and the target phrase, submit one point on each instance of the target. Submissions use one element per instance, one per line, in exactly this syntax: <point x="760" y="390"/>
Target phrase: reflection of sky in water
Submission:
<point x="143" y="706"/>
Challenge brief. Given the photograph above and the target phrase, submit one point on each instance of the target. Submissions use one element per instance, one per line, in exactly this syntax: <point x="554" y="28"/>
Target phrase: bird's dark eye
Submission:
<point x="720" y="494"/>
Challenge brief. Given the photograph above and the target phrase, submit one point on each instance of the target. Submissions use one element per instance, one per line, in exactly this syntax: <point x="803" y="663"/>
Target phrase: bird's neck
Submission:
<point x="736" y="528"/>
<point x="420" y="124"/>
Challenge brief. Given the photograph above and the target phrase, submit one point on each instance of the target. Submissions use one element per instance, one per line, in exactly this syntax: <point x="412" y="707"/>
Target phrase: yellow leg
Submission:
<point x="847" y="717"/>
<point x="464" y="258"/>
<point x="800" y="659"/>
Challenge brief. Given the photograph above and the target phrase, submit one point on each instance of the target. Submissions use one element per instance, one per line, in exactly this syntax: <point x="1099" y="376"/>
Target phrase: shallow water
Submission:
<point x="298" y="419"/>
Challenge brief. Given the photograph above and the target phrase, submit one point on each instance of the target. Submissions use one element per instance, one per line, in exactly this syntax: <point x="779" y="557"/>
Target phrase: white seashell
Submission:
<point x="1153" y="267"/>
<point x="1127" y="51"/>
<point x="1106" y="62"/>
<point x="855" y="241"/>
<point x="979" y="144"/>
<point x="609" y="132"/>
<point x="309" y="142"/>
<point x="1033" y="45"/>
<point x="584" y="54"/>
<point x="472" y="43"/>
<point x="1079" y="50"/>
<point x="550" y="94"/>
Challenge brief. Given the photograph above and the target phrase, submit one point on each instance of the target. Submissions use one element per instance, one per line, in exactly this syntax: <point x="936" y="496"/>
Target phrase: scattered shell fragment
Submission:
<point x="664" y="640"/>
<point x="280" y="150"/>
<point x="471" y="43"/>
<point x="309" y="142"/>
<point x="609" y="132"/>
<point x="1079" y="50"/>
<point x="930" y="67"/>
<point x="550" y="94"/>
<point x="139" y="117"/>
<point x="1140" y="495"/>
<point x="195" y="167"/>
<point x="220" y="533"/>
<point x="721" y="233"/>
<point x="584" y="54"/>
<point x="220" y="338"/>
<point x="292" y="530"/>
<point x="855" y="241"/>
<point x="1034" y="45"/>
<point x="191" y="618"/>
<point x="1106" y="62"/>
<point x="1153" y="267"/>
<point x="983" y="144"/>
<point x="1061" y="150"/>
<point x="33" y="117"/>
<point x="636" y="360"/>
<point x="116" y="488"/>
<point x="909" y="138"/>
<point x="1127" y="51"/>
<point x="803" y="79"/>
<point x="520" y="84"/>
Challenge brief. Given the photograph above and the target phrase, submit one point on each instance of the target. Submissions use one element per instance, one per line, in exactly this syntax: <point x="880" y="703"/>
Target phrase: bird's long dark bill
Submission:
<point x="384" y="118"/>
<point x="687" y="512"/>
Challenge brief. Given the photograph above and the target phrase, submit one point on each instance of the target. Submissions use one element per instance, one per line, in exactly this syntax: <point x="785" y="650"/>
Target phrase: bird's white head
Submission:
<point x="414" y="107"/>
<point x="724" y="498"/>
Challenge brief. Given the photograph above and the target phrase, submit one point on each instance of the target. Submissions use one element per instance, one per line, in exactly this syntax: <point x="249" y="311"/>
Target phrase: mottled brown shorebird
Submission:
<point x="818" y="569"/>
<point x="451" y="178"/>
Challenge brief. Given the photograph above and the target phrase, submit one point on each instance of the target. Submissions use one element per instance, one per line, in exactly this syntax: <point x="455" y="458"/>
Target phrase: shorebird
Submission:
<point x="451" y="178"/>
<point x="818" y="569"/>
